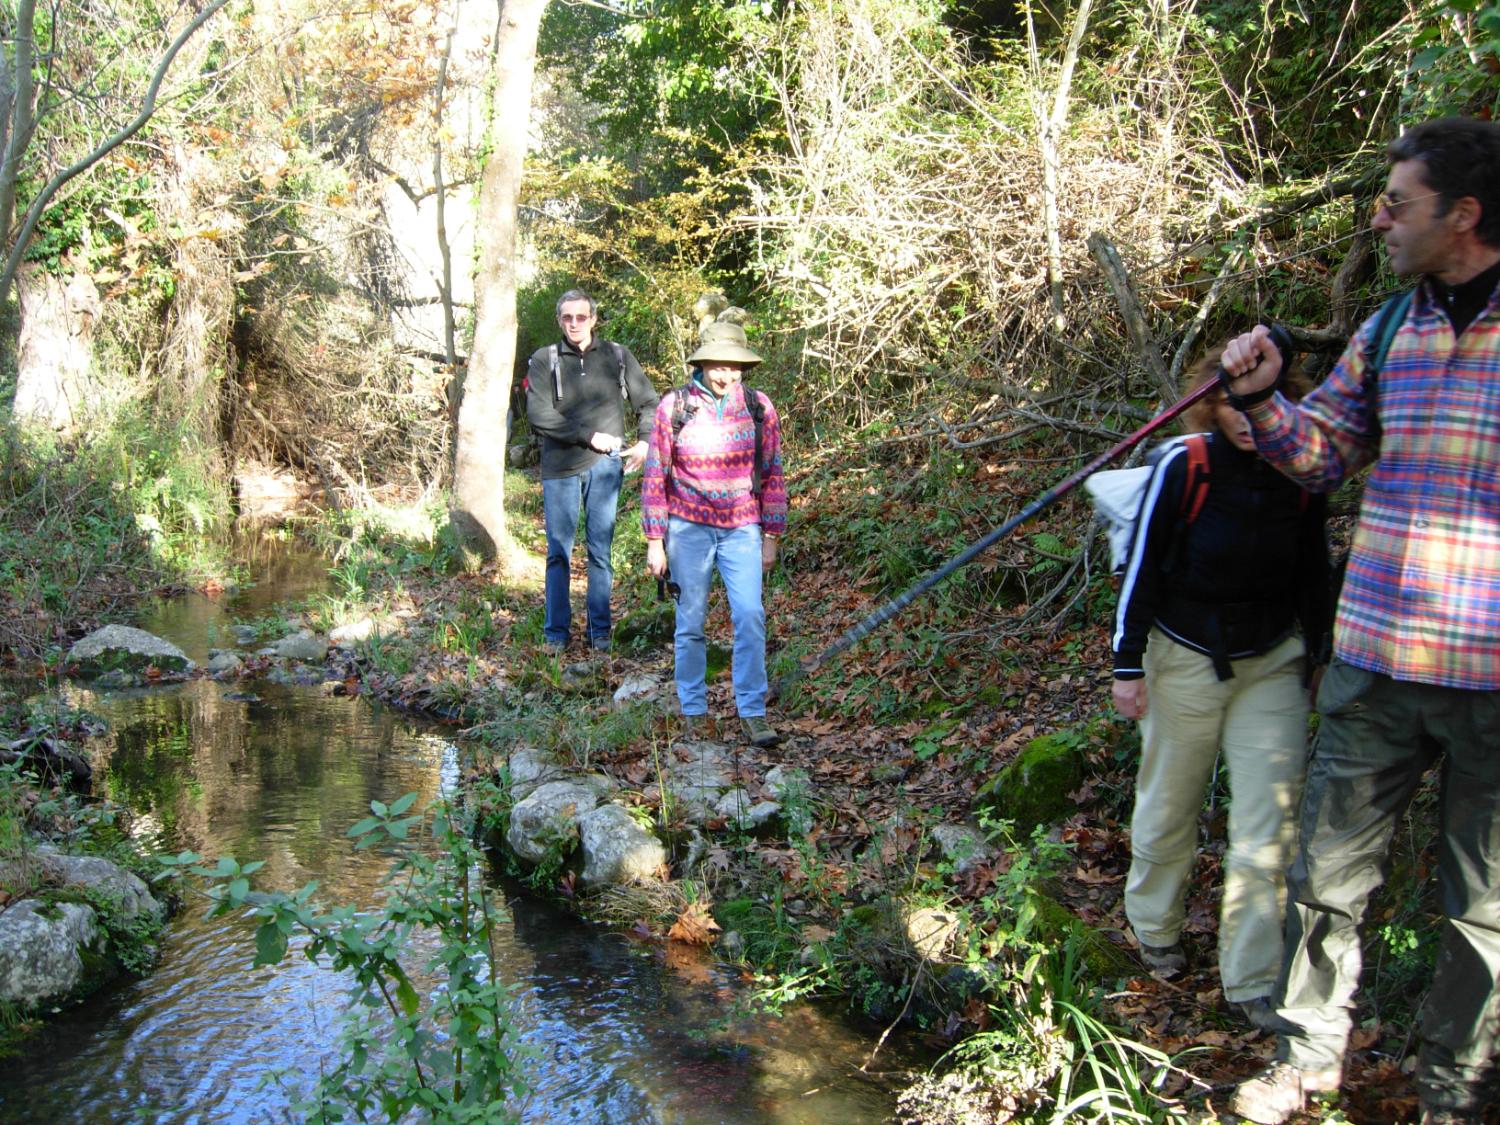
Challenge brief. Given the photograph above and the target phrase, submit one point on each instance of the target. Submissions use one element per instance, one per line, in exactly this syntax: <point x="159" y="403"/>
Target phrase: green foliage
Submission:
<point x="671" y="66"/>
<point x="1457" y="59"/>
<point x="132" y="503"/>
<point x="1051" y="1056"/>
<point x="453" y="1055"/>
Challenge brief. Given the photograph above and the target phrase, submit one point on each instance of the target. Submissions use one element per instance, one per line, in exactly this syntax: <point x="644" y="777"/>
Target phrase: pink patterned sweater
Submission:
<point x="704" y="476"/>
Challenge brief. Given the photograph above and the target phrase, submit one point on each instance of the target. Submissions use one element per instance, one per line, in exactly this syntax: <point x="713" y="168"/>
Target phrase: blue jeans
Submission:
<point x="595" y="492"/>
<point x="693" y="550"/>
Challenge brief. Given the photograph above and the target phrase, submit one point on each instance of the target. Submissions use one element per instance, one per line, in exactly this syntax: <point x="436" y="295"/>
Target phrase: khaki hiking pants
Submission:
<point x="1259" y="721"/>
<point x="1377" y="738"/>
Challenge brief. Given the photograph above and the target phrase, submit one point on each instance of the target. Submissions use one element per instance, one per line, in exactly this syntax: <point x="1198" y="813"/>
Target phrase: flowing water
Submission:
<point x="621" y="1032"/>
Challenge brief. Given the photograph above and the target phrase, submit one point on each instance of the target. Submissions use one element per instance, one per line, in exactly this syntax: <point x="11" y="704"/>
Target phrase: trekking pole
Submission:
<point x="1045" y="500"/>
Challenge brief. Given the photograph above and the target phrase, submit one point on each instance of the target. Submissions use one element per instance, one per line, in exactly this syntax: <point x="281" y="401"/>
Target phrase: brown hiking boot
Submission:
<point x="1163" y="961"/>
<point x="1280" y="1091"/>
<point x="758" y="732"/>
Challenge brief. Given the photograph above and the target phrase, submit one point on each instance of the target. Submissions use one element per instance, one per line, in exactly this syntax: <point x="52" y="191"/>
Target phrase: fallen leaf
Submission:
<point x="695" y="925"/>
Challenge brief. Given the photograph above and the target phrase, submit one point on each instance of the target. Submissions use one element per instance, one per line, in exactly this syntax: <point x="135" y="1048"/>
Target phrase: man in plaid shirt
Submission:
<point x="1415" y="679"/>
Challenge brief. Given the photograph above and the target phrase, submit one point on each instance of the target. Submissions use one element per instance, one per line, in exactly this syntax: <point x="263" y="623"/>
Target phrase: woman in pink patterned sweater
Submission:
<point x="703" y="506"/>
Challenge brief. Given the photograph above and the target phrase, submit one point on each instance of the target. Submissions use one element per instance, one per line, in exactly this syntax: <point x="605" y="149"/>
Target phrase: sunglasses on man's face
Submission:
<point x="1392" y="203"/>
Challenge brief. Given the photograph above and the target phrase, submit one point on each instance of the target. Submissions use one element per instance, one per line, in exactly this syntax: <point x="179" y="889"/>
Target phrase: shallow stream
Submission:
<point x="622" y="1032"/>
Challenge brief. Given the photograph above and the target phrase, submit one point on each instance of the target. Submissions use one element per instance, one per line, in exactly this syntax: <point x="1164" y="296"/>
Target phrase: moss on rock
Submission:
<point x="1033" y="790"/>
<point x="1105" y="961"/>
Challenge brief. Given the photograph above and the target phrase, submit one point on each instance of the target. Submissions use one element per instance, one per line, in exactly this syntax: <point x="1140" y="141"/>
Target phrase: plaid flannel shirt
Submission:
<point x="1421" y="595"/>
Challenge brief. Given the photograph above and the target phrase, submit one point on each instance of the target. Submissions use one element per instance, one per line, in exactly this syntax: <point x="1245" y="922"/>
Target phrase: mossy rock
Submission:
<point x="1033" y="790"/>
<point x="1104" y="960"/>
<point x="718" y="660"/>
<point x="647" y="627"/>
<point x="128" y="650"/>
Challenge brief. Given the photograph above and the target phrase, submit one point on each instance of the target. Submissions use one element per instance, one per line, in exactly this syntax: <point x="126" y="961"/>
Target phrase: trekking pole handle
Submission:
<point x="1280" y="339"/>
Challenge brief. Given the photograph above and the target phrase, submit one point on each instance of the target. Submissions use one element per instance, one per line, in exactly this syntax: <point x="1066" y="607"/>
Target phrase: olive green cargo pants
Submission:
<point x="1377" y="738"/>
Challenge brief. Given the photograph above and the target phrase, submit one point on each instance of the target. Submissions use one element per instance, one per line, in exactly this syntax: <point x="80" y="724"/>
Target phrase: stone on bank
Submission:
<point x="124" y="649"/>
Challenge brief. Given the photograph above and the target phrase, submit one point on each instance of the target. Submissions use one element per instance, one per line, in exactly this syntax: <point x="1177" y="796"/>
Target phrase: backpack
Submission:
<point x="557" y="391"/>
<point x="1117" y="493"/>
<point x="1388" y="322"/>
<point x="754" y="405"/>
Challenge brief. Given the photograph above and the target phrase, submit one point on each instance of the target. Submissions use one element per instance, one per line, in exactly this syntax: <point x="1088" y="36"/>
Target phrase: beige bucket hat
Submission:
<point x="724" y="342"/>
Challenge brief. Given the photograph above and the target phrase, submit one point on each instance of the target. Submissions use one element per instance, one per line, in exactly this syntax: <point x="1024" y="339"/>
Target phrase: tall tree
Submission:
<point x="479" y="455"/>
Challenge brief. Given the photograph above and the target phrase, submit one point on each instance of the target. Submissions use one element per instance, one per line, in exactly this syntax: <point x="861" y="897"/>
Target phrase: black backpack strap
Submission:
<point x="680" y="415"/>
<point x="620" y="363"/>
<point x="1388" y="322"/>
<point x="757" y="409"/>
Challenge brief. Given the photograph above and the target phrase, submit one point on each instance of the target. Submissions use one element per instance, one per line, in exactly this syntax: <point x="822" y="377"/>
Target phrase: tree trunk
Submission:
<point x="1050" y="129"/>
<point x="20" y="119"/>
<point x="481" y="442"/>
<point x="54" y="376"/>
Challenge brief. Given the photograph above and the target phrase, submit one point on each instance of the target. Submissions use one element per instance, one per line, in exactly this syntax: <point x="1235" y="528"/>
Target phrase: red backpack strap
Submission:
<point x="1195" y="490"/>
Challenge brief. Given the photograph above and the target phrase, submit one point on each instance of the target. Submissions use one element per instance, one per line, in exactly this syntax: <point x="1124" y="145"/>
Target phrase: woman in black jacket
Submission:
<point x="1224" y="597"/>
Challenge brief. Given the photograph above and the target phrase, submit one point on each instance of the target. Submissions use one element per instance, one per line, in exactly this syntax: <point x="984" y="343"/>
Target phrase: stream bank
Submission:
<point x="622" y="1029"/>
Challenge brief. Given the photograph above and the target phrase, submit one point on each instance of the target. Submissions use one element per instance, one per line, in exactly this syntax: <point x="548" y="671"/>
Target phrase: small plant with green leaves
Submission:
<point x="1048" y="1054"/>
<point x="453" y="1056"/>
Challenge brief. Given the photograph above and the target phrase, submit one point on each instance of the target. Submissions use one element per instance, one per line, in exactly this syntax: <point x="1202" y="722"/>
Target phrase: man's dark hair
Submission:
<point x="577" y="295"/>
<point x="1460" y="156"/>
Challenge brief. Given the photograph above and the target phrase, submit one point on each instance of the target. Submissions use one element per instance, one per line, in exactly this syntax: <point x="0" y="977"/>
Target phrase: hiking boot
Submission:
<point x="1163" y="961"/>
<point x="1259" y="1013"/>
<point x="694" y="726"/>
<point x="758" y="732"/>
<point x="1280" y="1091"/>
<point x="599" y="644"/>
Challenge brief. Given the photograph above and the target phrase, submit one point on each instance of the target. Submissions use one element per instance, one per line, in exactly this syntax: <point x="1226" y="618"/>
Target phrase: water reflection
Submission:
<point x="622" y="1032"/>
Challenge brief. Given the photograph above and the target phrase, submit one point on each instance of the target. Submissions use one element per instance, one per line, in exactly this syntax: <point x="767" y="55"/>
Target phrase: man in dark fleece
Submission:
<point x="576" y="390"/>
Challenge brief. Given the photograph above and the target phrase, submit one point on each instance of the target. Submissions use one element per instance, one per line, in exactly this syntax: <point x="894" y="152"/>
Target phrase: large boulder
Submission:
<point x="616" y="849"/>
<point x="125" y="649"/>
<point x="45" y="951"/>
<point x="104" y="881"/>
<point x="547" y="820"/>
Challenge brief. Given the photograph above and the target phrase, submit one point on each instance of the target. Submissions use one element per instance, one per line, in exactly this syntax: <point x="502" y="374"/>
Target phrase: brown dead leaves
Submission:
<point x="695" y="925"/>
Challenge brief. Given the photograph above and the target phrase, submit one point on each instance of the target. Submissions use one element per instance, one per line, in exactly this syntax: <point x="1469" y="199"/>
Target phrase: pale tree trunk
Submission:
<point x="54" y="364"/>
<point x="1050" y="128"/>
<point x="20" y="119"/>
<point x="480" y="446"/>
